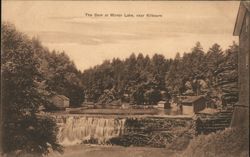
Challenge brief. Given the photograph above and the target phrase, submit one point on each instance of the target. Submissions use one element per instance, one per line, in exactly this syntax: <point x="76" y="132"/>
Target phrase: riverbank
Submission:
<point x="112" y="151"/>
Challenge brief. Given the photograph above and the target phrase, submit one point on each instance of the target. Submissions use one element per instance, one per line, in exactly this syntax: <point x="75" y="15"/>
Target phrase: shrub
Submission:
<point x="231" y="142"/>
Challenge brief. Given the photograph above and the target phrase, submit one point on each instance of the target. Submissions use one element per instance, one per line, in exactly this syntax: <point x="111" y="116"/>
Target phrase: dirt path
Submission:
<point x="112" y="151"/>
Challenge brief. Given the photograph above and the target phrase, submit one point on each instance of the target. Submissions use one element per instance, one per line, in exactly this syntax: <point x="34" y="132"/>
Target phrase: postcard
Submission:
<point x="125" y="78"/>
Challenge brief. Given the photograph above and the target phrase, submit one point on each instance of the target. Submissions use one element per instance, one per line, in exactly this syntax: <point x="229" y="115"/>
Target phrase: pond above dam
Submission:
<point x="174" y="110"/>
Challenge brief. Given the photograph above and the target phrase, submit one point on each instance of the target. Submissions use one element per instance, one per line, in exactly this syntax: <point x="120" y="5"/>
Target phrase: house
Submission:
<point x="60" y="101"/>
<point x="242" y="29"/>
<point x="163" y="104"/>
<point x="192" y="104"/>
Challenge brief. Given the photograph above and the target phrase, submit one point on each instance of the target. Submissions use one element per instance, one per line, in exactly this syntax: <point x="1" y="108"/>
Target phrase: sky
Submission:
<point x="88" y="40"/>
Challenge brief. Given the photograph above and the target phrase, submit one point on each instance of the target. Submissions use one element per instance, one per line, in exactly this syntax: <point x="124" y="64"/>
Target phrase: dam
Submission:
<point x="74" y="130"/>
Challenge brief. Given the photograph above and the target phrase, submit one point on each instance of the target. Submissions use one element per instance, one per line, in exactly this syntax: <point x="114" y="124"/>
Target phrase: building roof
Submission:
<point x="190" y="99"/>
<point x="209" y="111"/>
<point x="243" y="8"/>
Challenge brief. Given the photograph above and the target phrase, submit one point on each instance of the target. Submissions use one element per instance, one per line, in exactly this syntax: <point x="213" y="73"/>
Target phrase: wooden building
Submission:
<point x="242" y="29"/>
<point x="192" y="104"/>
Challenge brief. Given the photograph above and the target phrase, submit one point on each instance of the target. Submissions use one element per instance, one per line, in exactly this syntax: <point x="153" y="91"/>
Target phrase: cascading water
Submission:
<point x="76" y="129"/>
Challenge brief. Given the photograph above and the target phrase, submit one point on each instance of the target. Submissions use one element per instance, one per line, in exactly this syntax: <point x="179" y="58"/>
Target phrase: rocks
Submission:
<point x="212" y="123"/>
<point x="152" y="132"/>
<point x="159" y="139"/>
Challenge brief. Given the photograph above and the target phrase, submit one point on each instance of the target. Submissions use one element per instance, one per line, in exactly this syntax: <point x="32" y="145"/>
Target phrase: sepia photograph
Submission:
<point x="124" y="78"/>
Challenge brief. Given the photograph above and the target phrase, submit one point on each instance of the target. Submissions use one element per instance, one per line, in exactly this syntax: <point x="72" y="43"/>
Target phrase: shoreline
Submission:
<point x="86" y="150"/>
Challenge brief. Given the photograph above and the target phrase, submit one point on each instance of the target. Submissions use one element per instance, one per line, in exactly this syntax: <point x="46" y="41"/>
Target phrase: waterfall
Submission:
<point x="76" y="129"/>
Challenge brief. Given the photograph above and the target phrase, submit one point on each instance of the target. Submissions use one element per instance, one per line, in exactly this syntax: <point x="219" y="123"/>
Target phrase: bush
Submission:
<point x="230" y="142"/>
<point x="23" y="130"/>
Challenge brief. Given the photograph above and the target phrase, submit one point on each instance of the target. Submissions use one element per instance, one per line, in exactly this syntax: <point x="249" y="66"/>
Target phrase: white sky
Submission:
<point x="62" y="25"/>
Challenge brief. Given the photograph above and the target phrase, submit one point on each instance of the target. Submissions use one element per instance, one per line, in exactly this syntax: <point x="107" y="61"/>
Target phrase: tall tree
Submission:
<point x="227" y="75"/>
<point x="23" y="129"/>
<point x="59" y="73"/>
<point x="214" y="58"/>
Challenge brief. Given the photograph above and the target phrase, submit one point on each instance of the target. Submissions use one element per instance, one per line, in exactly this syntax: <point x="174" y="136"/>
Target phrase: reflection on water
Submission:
<point x="174" y="110"/>
<point x="169" y="112"/>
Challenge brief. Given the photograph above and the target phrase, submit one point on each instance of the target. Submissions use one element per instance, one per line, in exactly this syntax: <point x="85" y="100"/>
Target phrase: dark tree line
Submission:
<point x="30" y="74"/>
<point x="23" y="130"/>
<point x="137" y="79"/>
<point x="213" y="73"/>
<point x="144" y="80"/>
<point x="59" y="74"/>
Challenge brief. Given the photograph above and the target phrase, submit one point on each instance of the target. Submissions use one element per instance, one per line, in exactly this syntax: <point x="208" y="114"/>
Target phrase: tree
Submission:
<point x="138" y="95"/>
<point x="152" y="96"/>
<point x="59" y="73"/>
<point x="139" y="79"/>
<point x="23" y="129"/>
<point x="214" y="58"/>
<point x="227" y="75"/>
<point x="173" y="77"/>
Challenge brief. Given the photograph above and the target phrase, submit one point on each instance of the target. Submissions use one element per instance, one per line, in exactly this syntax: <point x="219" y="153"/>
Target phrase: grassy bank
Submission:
<point x="230" y="142"/>
<point x="112" y="151"/>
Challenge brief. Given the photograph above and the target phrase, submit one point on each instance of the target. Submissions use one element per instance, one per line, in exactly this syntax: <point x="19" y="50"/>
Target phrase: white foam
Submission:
<point x="74" y="130"/>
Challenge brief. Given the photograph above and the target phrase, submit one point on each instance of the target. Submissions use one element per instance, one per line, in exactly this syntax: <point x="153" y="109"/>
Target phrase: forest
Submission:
<point x="143" y="80"/>
<point x="139" y="79"/>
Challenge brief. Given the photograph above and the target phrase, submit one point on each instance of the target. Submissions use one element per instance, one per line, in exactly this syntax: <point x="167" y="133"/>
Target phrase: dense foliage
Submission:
<point x="137" y="79"/>
<point x="230" y="142"/>
<point x="144" y="80"/>
<point x="59" y="74"/>
<point x="213" y="73"/>
<point x="23" y="130"/>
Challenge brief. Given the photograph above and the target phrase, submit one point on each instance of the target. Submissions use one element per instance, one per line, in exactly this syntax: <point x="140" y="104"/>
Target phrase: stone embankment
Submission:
<point x="208" y="123"/>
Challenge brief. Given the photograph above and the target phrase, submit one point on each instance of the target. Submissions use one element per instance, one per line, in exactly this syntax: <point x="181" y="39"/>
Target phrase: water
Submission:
<point x="174" y="110"/>
<point x="76" y="129"/>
